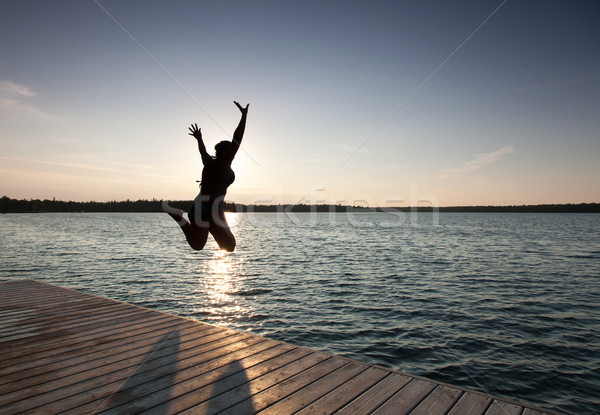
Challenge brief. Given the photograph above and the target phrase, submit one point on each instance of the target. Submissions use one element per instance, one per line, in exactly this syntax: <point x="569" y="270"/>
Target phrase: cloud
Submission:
<point x="9" y="88"/>
<point x="122" y="168"/>
<point x="478" y="162"/>
<point x="11" y="101"/>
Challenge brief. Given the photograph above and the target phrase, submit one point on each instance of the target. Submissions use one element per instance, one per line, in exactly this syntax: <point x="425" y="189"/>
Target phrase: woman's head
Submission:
<point x="221" y="147"/>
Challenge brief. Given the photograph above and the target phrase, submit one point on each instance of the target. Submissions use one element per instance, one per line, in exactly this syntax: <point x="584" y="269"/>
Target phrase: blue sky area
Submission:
<point x="380" y="103"/>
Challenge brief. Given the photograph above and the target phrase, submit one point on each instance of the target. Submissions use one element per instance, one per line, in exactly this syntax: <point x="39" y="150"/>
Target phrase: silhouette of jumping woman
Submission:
<point x="206" y="214"/>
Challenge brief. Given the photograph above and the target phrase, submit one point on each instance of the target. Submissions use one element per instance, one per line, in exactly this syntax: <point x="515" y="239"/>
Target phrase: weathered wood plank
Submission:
<point x="438" y="401"/>
<point x="407" y="398"/>
<point x="373" y="397"/>
<point x="346" y="392"/>
<point x="471" y="403"/>
<point x="316" y="390"/>
<point x="288" y="386"/>
<point x="503" y="408"/>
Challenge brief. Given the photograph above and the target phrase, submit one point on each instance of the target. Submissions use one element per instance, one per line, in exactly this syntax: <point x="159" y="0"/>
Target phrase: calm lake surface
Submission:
<point x="505" y="303"/>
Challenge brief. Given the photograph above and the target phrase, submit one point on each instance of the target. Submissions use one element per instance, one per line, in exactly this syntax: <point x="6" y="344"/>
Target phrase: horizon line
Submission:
<point x="429" y="206"/>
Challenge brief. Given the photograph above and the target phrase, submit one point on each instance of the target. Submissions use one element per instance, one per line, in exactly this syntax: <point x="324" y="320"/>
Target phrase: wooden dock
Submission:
<point x="63" y="351"/>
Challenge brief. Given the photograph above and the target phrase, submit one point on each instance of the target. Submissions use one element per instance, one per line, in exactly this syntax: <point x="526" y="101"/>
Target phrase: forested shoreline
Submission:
<point x="8" y="205"/>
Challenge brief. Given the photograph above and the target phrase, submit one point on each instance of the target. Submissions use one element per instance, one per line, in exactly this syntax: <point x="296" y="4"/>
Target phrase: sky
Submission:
<point x="380" y="103"/>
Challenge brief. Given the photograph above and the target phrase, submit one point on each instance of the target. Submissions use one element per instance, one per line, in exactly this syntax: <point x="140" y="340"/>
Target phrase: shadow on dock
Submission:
<point x="234" y="381"/>
<point x="159" y="366"/>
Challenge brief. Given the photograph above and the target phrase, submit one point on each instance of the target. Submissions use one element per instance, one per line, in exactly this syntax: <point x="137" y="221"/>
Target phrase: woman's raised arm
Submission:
<point x="197" y="134"/>
<point x="238" y="135"/>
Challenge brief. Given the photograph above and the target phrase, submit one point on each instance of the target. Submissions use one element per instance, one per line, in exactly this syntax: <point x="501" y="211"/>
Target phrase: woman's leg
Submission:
<point x="221" y="232"/>
<point x="194" y="234"/>
<point x="175" y="213"/>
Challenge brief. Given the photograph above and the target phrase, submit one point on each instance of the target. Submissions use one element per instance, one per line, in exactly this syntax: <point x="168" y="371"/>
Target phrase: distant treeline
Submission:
<point x="8" y="205"/>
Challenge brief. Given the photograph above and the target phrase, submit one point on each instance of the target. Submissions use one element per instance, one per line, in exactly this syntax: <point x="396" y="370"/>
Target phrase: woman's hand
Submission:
<point x="195" y="132"/>
<point x="242" y="109"/>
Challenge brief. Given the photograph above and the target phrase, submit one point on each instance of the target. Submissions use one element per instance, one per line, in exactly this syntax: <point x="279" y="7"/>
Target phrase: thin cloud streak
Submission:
<point x="11" y="104"/>
<point x="92" y="167"/>
<point x="11" y="88"/>
<point x="478" y="162"/>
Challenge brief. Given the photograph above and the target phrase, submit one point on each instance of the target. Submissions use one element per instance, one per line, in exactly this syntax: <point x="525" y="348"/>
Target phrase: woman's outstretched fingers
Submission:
<point x="242" y="109"/>
<point x="195" y="131"/>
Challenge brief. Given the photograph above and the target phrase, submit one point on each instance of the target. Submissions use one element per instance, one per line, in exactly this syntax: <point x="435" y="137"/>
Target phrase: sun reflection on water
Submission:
<point x="220" y="285"/>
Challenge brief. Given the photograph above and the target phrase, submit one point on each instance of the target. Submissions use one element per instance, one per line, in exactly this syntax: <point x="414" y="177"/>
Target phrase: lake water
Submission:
<point x="505" y="303"/>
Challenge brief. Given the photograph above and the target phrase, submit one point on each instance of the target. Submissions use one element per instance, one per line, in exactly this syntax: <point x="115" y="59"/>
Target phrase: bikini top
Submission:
<point x="229" y="180"/>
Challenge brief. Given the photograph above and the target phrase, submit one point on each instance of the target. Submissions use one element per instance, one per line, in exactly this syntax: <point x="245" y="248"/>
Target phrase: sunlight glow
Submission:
<point x="233" y="219"/>
<point x="220" y="284"/>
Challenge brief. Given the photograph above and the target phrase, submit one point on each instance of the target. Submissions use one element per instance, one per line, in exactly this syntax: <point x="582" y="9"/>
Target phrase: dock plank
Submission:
<point x="471" y="403"/>
<point x="407" y="398"/>
<point x="64" y="351"/>
<point x="341" y="395"/>
<point x="504" y="408"/>
<point x="371" y="399"/>
<point x="314" y="391"/>
<point x="439" y="401"/>
<point x="286" y="387"/>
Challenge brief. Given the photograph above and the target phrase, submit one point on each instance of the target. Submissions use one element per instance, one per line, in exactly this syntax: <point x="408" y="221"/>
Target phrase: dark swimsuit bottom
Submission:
<point x="206" y="207"/>
<point x="205" y="211"/>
